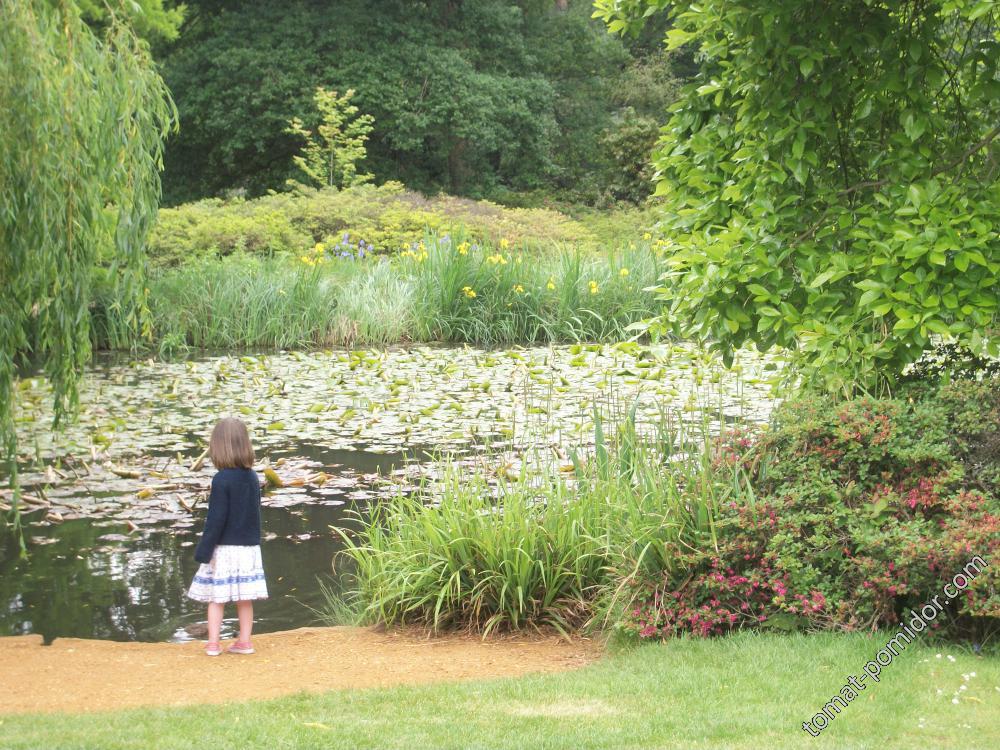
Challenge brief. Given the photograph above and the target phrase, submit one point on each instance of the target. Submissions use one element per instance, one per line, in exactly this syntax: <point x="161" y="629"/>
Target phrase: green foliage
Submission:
<point x="630" y="147"/>
<point x="386" y="217"/>
<point x="150" y="19"/>
<point x="340" y="293"/>
<point x="831" y="179"/>
<point x="214" y="227"/>
<point x="241" y="302"/>
<point x="491" y="295"/>
<point x="534" y="550"/>
<point x="329" y="159"/>
<point x="838" y="516"/>
<point x="467" y="97"/>
<point x="82" y="127"/>
<point x="947" y="361"/>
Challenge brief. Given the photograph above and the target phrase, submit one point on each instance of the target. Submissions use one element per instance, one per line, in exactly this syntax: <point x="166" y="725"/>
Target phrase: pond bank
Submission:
<point x="80" y="676"/>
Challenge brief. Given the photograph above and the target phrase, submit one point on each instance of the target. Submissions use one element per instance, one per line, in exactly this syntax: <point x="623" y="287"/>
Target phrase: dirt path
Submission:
<point x="75" y="675"/>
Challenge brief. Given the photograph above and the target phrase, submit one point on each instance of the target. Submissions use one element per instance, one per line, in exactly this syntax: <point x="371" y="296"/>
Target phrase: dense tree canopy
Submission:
<point x="467" y="96"/>
<point x="154" y="20"/>
<point x="833" y="178"/>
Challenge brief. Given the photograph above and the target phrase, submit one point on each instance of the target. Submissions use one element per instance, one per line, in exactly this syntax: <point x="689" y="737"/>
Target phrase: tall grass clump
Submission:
<point x="376" y="305"/>
<point x="447" y="288"/>
<point x="548" y="548"/>
<point x="495" y="294"/>
<point x="234" y="303"/>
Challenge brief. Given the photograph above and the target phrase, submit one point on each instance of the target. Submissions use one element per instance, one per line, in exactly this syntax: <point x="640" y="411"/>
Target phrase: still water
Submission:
<point x="115" y="502"/>
<point x="91" y="578"/>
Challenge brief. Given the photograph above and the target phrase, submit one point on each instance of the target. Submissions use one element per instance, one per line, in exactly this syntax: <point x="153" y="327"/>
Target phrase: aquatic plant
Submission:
<point x="443" y="287"/>
<point x="543" y="548"/>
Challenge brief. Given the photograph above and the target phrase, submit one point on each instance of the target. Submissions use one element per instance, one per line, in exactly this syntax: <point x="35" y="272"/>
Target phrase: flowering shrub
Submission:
<point x="386" y="217"/>
<point x="710" y="602"/>
<point x="862" y="511"/>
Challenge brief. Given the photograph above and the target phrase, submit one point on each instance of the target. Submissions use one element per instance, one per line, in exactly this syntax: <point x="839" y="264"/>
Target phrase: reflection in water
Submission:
<point x="88" y="580"/>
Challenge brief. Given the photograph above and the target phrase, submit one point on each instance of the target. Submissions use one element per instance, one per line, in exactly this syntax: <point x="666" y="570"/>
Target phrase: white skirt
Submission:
<point x="235" y="574"/>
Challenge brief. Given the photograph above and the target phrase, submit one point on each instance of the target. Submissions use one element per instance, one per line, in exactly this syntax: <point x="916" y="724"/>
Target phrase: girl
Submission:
<point x="229" y="551"/>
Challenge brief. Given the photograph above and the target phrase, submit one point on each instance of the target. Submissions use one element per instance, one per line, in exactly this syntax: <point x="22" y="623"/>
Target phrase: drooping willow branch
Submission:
<point x="82" y="128"/>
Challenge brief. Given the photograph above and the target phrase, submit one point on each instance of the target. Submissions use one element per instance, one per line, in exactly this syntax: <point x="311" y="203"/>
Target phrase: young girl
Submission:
<point x="229" y="550"/>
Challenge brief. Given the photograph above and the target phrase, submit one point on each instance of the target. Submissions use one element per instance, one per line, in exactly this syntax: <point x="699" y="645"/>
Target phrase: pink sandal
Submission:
<point x="241" y="648"/>
<point x="213" y="648"/>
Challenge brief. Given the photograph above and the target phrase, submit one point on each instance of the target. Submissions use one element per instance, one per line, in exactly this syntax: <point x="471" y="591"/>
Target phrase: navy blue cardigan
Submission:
<point x="233" y="512"/>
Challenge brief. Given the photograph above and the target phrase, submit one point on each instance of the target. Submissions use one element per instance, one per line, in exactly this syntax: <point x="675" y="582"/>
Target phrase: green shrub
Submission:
<point x="216" y="228"/>
<point x="386" y="217"/>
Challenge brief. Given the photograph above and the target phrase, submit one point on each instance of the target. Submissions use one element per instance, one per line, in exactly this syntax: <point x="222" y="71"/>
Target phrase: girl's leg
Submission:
<point x="245" y="611"/>
<point x="214" y="621"/>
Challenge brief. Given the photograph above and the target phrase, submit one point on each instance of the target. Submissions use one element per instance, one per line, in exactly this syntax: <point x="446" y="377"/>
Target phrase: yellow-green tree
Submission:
<point x="82" y="127"/>
<point x="330" y="156"/>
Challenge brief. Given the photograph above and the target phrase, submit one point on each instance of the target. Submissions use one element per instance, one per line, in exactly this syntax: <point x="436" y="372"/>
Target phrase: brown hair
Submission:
<point x="230" y="447"/>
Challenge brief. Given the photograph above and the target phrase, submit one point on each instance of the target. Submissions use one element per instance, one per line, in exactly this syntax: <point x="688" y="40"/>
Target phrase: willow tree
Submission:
<point x="82" y="127"/>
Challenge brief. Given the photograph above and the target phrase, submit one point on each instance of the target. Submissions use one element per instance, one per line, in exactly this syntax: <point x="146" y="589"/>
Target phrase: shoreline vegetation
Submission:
<point x="660" y="539"/>
<point x="382" y="265"/>
<point x="834" y="516"/>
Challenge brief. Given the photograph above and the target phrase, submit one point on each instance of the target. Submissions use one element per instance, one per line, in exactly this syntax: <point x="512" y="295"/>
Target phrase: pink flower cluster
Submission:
<point x="713" y="602"/>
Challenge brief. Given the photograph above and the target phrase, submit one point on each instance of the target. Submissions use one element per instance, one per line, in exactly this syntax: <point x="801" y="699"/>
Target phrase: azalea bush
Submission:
<point x="860" y="511"/>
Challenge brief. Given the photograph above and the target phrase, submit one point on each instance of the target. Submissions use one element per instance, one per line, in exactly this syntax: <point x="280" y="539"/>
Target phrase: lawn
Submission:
<point x="743" y="691"/>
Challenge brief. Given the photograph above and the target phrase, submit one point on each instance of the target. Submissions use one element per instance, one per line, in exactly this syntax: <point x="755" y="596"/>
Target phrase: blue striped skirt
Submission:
<point x="235" y="574"/>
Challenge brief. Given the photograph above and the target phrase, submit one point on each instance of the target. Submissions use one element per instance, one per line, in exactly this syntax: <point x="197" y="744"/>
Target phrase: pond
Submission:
<point x="114" y="502"/>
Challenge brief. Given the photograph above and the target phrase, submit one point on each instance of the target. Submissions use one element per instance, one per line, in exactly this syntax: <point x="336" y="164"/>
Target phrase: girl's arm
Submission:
<point x="218" y="510"/>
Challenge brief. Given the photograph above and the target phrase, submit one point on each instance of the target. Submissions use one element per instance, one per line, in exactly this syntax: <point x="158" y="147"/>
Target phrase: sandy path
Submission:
<point x="76" y="675"/>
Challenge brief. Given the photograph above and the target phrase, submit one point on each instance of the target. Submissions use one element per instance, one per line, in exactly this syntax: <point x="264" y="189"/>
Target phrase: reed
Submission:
<point x="444" y="288"/>
<point x="548" y="548"/>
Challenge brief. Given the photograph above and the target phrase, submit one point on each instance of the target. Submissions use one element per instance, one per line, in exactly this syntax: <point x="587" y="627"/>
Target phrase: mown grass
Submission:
<point x="445" y="288"/>
<point x="743" y="692"/>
